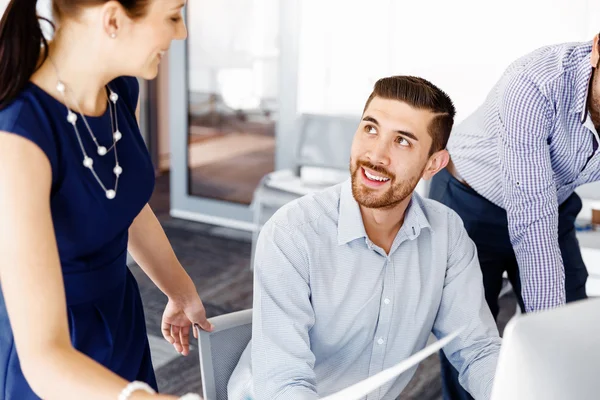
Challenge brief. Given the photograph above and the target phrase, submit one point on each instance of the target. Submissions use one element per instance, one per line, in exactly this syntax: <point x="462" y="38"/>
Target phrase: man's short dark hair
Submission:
<point x="421" y="94"/>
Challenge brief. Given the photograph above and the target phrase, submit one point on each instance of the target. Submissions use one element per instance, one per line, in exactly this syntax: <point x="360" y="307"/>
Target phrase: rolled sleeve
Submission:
<point x="282" y="360"/>
<point x="530" y="194"/>
<point x="474" y="353"/>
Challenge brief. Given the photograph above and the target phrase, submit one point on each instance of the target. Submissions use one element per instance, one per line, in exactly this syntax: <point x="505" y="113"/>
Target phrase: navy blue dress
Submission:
<point x="104" y="307"/>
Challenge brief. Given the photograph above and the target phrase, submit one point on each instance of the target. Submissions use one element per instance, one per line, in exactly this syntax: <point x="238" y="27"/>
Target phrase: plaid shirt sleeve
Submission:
<point x="530" y="193"/>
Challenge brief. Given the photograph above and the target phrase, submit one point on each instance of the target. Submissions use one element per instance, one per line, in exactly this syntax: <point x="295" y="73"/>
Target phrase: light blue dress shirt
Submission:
<point x="331" y="308"/>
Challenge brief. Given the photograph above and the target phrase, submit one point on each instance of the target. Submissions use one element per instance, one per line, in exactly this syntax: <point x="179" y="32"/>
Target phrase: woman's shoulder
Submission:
<point x="27" y="116"/>
<point x="24" y="109"/>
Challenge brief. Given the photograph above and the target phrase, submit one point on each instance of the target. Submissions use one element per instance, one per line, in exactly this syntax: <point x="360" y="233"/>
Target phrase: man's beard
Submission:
<point x="367" y="197"/>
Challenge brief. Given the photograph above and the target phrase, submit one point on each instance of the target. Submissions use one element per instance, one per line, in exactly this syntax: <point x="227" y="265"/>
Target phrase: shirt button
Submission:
<point x="380" y="341"/>
<point x="386" y="301"/>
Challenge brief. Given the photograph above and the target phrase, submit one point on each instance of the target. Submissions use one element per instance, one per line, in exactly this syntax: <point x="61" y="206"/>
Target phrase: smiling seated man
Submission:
<point x="352" y="280"/>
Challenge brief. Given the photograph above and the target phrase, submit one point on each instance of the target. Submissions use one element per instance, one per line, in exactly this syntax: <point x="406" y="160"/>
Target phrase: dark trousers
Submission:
<point x="487" y="226"/>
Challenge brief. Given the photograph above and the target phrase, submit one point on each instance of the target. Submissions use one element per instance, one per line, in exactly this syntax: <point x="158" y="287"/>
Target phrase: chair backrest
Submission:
<point x="221" y="350"/>
<point x="325" y="140"/>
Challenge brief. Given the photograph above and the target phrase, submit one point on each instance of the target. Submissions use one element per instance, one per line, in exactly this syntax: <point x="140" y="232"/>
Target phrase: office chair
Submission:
<point x="221" y="350"/>
<point x="322" y="158"/>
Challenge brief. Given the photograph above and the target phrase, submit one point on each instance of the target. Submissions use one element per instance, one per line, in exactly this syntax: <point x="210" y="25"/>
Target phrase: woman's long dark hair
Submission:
<point x="23" y="47"/>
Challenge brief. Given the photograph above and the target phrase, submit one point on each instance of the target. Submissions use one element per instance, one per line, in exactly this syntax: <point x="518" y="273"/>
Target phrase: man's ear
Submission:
<point x="437" y="162"/>
<point x="595" y="52"/>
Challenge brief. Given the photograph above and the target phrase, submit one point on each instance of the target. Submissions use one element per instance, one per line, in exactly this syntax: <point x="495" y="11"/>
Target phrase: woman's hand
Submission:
<point x="179" y="317"/>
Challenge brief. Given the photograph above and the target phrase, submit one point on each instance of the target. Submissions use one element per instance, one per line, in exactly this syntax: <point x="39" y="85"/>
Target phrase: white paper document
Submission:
<point x="363" y="388"/>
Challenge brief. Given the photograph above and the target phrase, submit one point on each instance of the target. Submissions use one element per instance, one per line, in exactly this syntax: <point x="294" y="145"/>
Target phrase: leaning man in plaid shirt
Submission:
<point x="515" y="164"/>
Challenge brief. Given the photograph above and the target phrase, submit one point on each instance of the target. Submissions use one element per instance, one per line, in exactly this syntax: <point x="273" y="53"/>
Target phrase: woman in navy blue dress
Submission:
<point x="75" y="180"/>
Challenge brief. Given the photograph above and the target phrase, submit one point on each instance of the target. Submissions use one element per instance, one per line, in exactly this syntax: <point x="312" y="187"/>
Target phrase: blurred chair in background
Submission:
<point x="322" y="160"/>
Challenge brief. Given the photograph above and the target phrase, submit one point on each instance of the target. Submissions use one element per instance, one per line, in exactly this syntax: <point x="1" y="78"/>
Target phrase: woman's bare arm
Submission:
<point x="32" y="284"/>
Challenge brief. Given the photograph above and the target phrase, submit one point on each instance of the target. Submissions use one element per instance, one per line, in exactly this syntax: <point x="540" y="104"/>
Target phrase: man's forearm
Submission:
<point x="150" y="248"/>
<point x="536" y="247"/>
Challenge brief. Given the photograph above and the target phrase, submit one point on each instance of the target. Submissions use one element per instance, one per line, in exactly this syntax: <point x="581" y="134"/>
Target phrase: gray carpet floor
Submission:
<point x="218" y="260"/>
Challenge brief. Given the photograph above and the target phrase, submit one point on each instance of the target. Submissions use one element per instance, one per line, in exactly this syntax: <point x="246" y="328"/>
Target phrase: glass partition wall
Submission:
<point x="224" y="107"/>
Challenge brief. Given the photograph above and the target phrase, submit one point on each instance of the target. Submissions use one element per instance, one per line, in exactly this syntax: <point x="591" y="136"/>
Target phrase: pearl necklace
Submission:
<point x="88" y="162"/>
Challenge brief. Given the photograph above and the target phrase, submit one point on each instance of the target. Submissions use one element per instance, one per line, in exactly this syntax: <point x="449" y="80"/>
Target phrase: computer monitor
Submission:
<point x="551" y="355"/>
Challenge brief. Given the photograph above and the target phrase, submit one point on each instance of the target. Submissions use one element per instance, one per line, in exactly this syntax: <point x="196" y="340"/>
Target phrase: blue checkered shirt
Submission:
<point x="331" y="308"/>
<point x="526" y="149"/>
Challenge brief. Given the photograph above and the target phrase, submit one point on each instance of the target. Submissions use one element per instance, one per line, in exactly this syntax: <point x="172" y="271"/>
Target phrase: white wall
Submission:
<point x="461" y="45"/>
<point x="232" y="49"/>
<point x="3" y="4"/>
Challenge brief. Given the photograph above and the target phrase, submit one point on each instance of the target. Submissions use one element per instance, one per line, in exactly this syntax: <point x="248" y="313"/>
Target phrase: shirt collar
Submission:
<point x="415" y="219"/>
<point x="350" y="223"/>
<point x="351" y="226"/>
<point x="581" y="85"/>
<point x="588" y="123"/>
